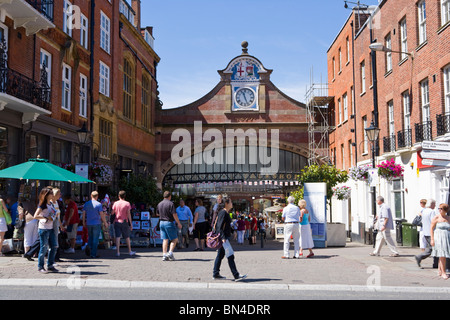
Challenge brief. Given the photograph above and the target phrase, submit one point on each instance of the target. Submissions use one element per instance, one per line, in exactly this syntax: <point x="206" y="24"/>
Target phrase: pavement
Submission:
<point x="343" y="268"/>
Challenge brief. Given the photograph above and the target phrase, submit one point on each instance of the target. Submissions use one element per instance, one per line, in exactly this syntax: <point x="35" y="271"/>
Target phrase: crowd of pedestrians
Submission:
<point x="51" y="227"/>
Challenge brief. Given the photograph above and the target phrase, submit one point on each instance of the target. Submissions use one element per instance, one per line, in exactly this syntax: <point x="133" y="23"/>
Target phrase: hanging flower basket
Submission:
<point x="389" y="170"/>
<point x="102" y="174"/>
<point x="342" y="193"/>
<point x="360" y="173"/>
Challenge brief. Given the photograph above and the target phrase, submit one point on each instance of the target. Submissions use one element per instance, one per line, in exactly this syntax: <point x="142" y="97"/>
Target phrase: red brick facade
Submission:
<point x="426" y="62"/>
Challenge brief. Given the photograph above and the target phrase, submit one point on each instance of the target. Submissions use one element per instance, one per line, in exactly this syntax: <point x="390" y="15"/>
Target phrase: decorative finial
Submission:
<point x="244" y="47"/>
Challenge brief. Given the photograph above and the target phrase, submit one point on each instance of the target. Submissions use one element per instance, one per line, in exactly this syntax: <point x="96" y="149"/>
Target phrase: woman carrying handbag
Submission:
<point x="223" y="225"/>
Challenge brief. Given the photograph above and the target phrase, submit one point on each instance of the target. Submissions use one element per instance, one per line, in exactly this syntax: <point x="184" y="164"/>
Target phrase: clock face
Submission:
<point x="245" y="97"/>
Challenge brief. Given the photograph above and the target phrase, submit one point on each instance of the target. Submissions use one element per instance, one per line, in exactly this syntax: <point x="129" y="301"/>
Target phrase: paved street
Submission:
<point x="346" y="270"/>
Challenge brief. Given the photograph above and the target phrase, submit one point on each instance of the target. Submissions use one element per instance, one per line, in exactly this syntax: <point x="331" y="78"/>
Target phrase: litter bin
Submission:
<point x="410" y="235"/>
<point x="398" y="231"/>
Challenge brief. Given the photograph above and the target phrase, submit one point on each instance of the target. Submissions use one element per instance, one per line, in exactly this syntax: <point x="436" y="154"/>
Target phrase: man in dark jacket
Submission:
<point x="223" y="227"/>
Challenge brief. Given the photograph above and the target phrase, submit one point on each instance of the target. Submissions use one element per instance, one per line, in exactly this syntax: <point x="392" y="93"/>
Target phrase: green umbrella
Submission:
<point x="40" y="169"/>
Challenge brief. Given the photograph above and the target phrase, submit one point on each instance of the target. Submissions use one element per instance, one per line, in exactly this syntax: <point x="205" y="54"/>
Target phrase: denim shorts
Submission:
<point x="168" y="230"/>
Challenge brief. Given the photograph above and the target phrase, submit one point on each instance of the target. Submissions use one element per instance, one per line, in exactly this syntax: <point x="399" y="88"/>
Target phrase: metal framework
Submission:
<point x="318" y="99"/>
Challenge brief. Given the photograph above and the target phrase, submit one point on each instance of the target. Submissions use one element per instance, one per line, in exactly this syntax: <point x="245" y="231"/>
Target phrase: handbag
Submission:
<point x="417" y="221"/>
<point x="214" y="240"/>
<point x="7" y="216"/>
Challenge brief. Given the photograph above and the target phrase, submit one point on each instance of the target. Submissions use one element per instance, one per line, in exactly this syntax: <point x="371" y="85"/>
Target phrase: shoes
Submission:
<point x="28" y="257"/>
<point x="283" y="257"/>
<point x="168" y="257"/>
<point x="70" y="250"/>
<point x="87" y="250"/>
<point x="42" y="271"/>
<point x="373" y="254"/>
<point x="394" y="255"/>
<point x="52" y="269"/>
<point x="310" y="255"/>
<point x="132" y="253"/>
<point x="418" y="261"/>
<point x="219" y="277"/>
<point x="240" y="278"/>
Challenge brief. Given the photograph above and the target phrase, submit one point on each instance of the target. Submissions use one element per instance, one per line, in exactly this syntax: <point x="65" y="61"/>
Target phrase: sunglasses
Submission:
<point x="441" y="209"/>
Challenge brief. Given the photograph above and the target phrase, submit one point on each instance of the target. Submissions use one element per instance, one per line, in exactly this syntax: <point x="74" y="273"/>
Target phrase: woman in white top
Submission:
<point x="46" y="213"/>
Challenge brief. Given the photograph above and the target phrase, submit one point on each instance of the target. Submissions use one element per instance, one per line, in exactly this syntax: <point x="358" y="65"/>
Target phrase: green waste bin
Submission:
<point x="410" y="235"/>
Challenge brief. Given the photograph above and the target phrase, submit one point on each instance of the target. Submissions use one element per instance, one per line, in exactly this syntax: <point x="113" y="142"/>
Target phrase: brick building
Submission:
<point x="245" y="105"/>
<point x="411" y="104"/>
<point x="59" y="62"/>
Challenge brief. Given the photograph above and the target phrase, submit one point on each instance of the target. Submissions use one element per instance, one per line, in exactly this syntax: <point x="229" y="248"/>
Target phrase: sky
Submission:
<point x="195" y="38"/>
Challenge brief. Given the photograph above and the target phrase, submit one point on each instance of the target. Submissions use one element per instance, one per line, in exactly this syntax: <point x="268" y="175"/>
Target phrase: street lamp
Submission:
<point x="377" y="46"/>
<point x="83" y="135"/>
<point x="373" y="132"/>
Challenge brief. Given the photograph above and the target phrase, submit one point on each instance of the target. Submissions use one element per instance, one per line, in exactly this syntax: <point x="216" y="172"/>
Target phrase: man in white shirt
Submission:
<point x="427" y="215"/>
<point x="385" y="225"/>
<point x="291" y="218"/>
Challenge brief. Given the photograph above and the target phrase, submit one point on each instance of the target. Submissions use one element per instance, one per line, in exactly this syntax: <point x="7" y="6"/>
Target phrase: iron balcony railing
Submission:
<point x="443" y="123"/>
<point x="20" y="86"/>
<point x="424" y="131"/>
<point x="389" y="144"/>
<point x="404" y="138"/>
<point x="45" y="7"/>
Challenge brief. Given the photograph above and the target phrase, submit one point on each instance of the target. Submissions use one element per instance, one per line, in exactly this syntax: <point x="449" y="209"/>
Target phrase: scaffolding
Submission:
<point x="318" y="99"/>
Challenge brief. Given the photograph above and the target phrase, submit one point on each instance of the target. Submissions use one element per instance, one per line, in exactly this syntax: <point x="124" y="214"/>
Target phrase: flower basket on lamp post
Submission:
<point x="389" y="170"/>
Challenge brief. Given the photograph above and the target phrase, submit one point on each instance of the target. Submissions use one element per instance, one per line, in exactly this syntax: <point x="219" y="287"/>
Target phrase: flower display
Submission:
<point x="360" y="173"/>
<point x="390" y="170"/>
<point x="342" y="193"/>
<point x="100" y="173"/>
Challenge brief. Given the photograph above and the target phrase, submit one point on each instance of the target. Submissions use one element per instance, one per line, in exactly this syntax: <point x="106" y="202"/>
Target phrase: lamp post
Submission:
<point x="373" y="132"/>
<point x="83" y="140"/>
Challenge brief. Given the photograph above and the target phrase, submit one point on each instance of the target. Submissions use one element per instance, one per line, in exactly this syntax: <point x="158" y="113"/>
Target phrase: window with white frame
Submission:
<point x="348" y="49"/>
<point x="334" y="67"/>
<point x="391" y="118"/>
<point x="445" y="11"/>
<point x="403" y="39"/>
<point x="363" y="76"/>
<point x="345" y="106"/>
<point x="104" y="79"/>
<point x="46" y="64"/>
<point x="340" y="60"/>
<point x="398" y="197"/>
<point x="406" y="110"/>
<point x="425" y="100"/>
<point x="447" y="89"/>
<point x="84" y="35"/>
<point x="443" y="187"/>
<point x="422" y="21"/>
<point x="343" y="155"/>
<point x="67" y="22"/>
<point x="388" y="45"/>
<point x="340" y="110"/>
<point x="66" y="87"/>
<point x="105" y="32"/>
<point x="83" y="95"/>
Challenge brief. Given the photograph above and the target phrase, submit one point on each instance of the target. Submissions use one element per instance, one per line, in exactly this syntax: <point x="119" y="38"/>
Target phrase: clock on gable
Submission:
<point x="245" y="79"/>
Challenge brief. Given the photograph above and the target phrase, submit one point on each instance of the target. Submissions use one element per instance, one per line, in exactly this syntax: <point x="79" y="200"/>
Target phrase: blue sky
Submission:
<point x="195" y="38"/>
